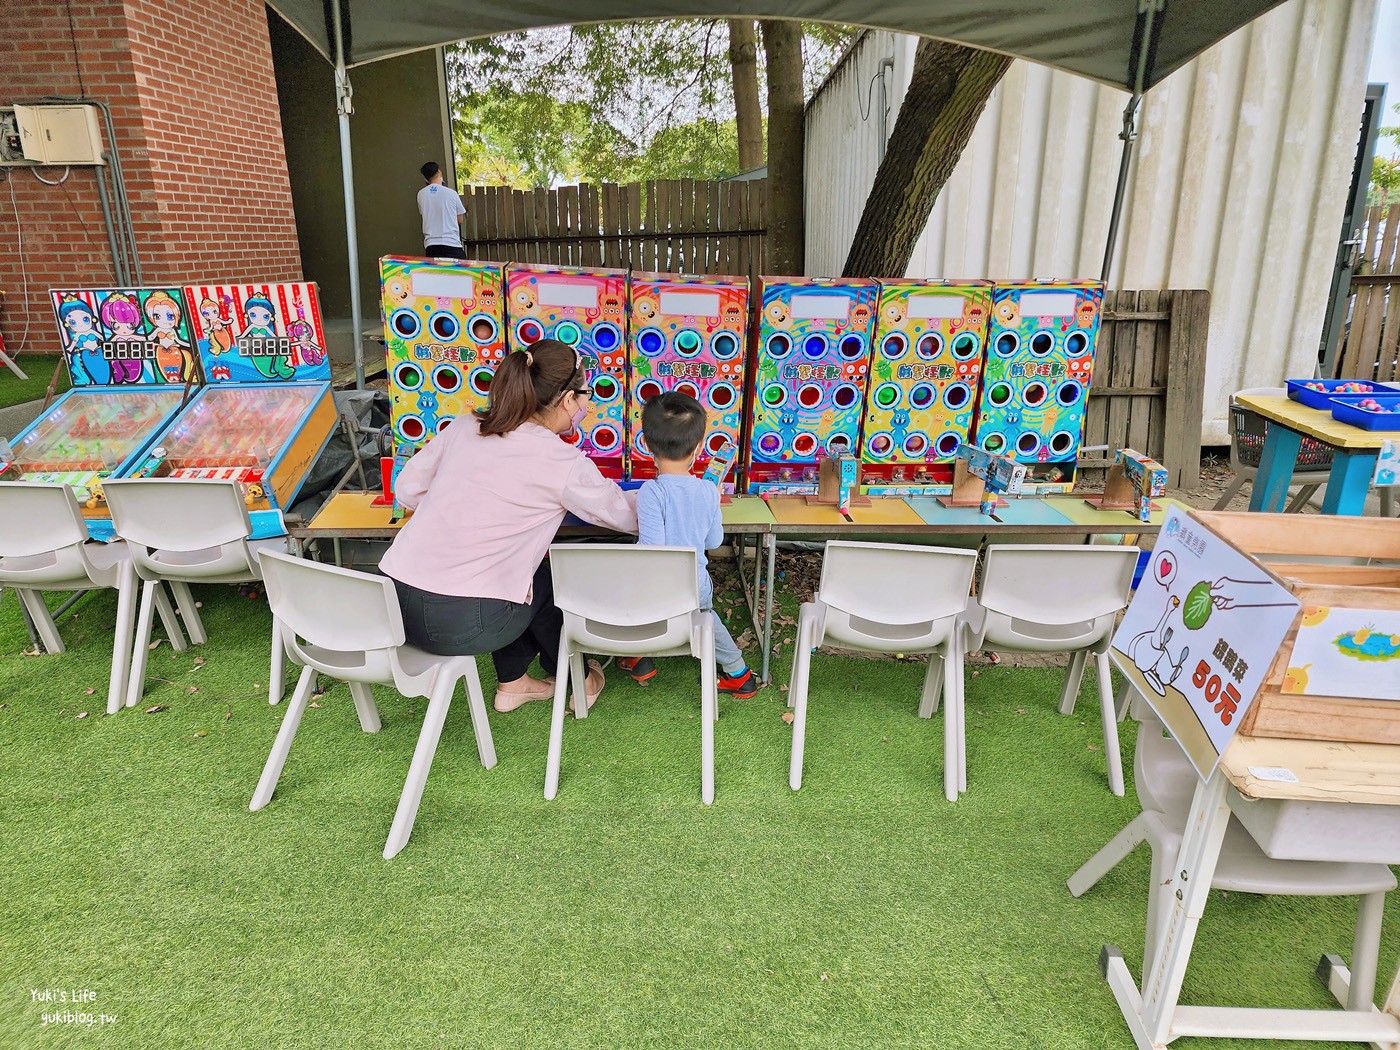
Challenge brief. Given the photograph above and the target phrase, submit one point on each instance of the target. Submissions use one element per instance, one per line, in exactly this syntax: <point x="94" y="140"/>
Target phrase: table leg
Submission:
<point x="1275" y="468"/>
<point x="1349" y="482"/>
<point x="771" y="542"/>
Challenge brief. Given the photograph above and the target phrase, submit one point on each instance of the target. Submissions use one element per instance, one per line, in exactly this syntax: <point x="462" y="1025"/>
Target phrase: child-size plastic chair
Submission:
<point x="619" y="599"/>
<point x="347" y="625"/>
<point x="44" y="547"/>
<point x="184" y="531"/>
<point x="1247" y="432"/>
<point x="887" y="598"/>
<point x="1048" y="598"/>
<point x="1166" y="783"/>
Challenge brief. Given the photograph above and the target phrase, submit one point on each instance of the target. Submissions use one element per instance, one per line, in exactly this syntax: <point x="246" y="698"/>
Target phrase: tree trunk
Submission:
<point x="748" y="116"/>
<point x="782" y="44"/>
<point x="949" y="88"/>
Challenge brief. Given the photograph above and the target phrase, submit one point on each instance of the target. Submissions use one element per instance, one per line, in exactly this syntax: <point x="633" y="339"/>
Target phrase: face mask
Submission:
<point x="577" y="418"/>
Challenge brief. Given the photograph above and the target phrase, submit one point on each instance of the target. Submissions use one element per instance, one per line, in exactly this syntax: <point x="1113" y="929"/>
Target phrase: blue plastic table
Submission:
<point x="1353" y="460"/>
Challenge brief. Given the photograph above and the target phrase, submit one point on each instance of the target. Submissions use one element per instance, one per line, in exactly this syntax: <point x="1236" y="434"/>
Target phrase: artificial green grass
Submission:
<point x="40" y="370"/>
<point x="864" y="910"/>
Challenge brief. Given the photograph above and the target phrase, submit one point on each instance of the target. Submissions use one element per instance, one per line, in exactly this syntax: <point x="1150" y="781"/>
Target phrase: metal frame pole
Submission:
<point x="344" y="106"/>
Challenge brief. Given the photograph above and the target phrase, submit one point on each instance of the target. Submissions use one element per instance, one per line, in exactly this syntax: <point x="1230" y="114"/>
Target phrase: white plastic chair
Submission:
<point x="44" y="547"/>
<point x="1166" y="782"/>
<point x="1048" y="598"/>
<point x="347" y="625"/>
<point x="1247" y="432"/>
<point x="181" y="532"/>
<point x="619" y="599"/>
<point x="887" y="598"/>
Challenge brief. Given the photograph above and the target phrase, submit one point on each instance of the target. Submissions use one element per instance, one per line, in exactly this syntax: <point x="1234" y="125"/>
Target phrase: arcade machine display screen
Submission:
<point x="924" y="381"/>
<point x="587" y="309"/>
<point x="812" y="359"/>
<point x="444" y="336"/>
<point x="263" y="436"/>
<point x="90" y="434"/>
<point x="126" y="336"/>
<point x="688" y="334"/>
<point x="1040" y="360"/>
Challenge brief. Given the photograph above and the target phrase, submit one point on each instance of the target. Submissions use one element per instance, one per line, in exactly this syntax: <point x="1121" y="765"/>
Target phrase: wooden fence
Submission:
<point x="681" y="226"/>
<point x="1371" y="339"/>
<point x="1149" y="381"/>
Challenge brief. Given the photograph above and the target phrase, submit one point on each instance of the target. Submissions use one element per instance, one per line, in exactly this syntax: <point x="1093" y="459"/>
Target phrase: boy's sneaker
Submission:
<point x="740" y="686"/>
<point x="640" y="668"/>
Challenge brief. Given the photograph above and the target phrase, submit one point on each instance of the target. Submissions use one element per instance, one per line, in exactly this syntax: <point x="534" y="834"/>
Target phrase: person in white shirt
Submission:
<point x="442" y="211"/>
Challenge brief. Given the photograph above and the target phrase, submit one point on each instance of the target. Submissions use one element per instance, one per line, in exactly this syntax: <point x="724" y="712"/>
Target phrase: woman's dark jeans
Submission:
<point x="513" y="634"/>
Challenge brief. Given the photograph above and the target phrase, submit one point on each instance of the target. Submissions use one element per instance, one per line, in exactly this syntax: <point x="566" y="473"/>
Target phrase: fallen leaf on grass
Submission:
<point x="314" y="703"/>
<point x="89" y="692"/>
<point x="152" y="647"/>
<point x="155" y="708"/>
<point x="788" y="717"/>
<point x="192" y="690"/>
<point x="82" y="714"/>
<point x="782" y="689"/>
<point x="201" y="732"/>
<point x="1020" y="710"/>
<point x="228" y="715"/>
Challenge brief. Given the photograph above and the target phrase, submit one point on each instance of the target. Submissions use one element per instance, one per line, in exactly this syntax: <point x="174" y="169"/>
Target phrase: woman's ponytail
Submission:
<point x="528" y="381"/>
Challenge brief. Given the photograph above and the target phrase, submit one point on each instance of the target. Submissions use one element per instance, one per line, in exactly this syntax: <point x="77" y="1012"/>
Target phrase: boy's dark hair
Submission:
<point x="673" y="424"/>
<point x="430" y="170"/>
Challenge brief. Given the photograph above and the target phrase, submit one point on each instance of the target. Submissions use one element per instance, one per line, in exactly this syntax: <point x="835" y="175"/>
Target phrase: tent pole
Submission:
<point x="344" y="107"/>
<point x="1129" y="136"/>
<point x="1149" y="24"/>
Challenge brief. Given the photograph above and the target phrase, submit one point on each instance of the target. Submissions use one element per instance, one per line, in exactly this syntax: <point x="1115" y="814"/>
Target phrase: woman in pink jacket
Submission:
<point x="488" y="495"/>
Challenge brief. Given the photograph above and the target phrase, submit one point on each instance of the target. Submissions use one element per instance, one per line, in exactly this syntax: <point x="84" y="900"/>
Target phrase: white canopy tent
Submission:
<point x="1131" y="44"/>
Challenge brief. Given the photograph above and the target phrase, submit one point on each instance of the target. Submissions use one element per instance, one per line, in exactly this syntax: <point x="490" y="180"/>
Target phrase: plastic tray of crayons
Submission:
<point x="1381" y="412"/>
<point x="1318" y="393"/>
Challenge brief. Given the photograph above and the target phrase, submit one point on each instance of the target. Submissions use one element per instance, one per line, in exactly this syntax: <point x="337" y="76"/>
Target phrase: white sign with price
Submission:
<point x="1200" y="635"/>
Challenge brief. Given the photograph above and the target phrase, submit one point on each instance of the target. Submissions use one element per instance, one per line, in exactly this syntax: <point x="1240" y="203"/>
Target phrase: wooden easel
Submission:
<point x="968" y="489"/>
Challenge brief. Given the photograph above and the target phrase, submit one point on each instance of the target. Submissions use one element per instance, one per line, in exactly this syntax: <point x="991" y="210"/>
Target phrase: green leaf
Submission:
<point x="1198" y="605"/>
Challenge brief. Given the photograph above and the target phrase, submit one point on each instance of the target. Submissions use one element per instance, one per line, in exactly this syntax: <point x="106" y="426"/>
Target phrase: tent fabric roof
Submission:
<point x="1094" y="38"/>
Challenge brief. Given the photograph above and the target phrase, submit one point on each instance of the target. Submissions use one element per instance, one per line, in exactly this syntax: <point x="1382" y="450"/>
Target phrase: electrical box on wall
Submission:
<point x="63" y="134"/>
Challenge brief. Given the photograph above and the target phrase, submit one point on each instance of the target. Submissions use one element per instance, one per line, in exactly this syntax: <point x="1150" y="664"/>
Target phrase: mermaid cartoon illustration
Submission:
<point x="174" y="360"/>
<point x="84" y="350"/>
<point x="304" y="348"/>
<point x="122" y="317"/>
<point x="259" y="311"/>
<point x="217" y="323"/>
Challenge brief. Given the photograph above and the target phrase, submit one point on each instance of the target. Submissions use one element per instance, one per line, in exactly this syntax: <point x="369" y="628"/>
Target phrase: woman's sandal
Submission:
<point x="509" y="700"/>
<point x="592" y="696"/>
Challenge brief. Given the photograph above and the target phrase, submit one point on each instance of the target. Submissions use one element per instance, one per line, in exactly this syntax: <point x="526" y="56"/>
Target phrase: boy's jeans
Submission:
<point x="727" y="654"/>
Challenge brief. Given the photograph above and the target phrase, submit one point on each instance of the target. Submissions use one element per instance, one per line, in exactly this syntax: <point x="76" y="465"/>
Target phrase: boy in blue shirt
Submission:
<point x="681" y="510"/>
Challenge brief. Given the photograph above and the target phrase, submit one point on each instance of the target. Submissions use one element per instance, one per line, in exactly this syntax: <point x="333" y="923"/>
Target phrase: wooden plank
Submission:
<point x="553" y="249"/>
<point x="689" y="221"/>
<point x="712" y="241"/>
<point x="1144" y="348"/>
<point x="632" y="255"/>
<point x="728" y="220"/>
<point x="1186" y="370"/>
<point x="1327" y="572"/>
<point x="1262" y="534"/>
<point x="519" y="211"/>
<point x="1158" y="427"/>
<point x="758" y="224"/>
<point x="651" y="246"/>
<point x="1120" y="373"/>
<point x="1389" y="346"/>
<point x="589" y="220"/>
<point x="569" y="225"/>
<point x="608" y="221"/>
<point x="540" y="201"/>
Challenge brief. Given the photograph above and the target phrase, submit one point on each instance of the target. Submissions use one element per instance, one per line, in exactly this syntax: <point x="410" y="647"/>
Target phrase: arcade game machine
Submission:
<point x="267" y="411"/>
<point x="811" y="359"/>
<point x="688" y="334"/>
<point x="1035" y="385"/>
<point x="444" y="335"/>
<point x="586" y="308"/>
<point x="129" y="356"/>
<point x="924" y="380"/>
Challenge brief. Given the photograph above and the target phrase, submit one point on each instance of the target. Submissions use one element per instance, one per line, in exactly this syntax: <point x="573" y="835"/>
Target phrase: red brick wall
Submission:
<point x="200" y="138"/>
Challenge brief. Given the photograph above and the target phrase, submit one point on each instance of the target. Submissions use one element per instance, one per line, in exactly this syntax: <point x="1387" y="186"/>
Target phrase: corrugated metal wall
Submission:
<point x="1243" y="162"/>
